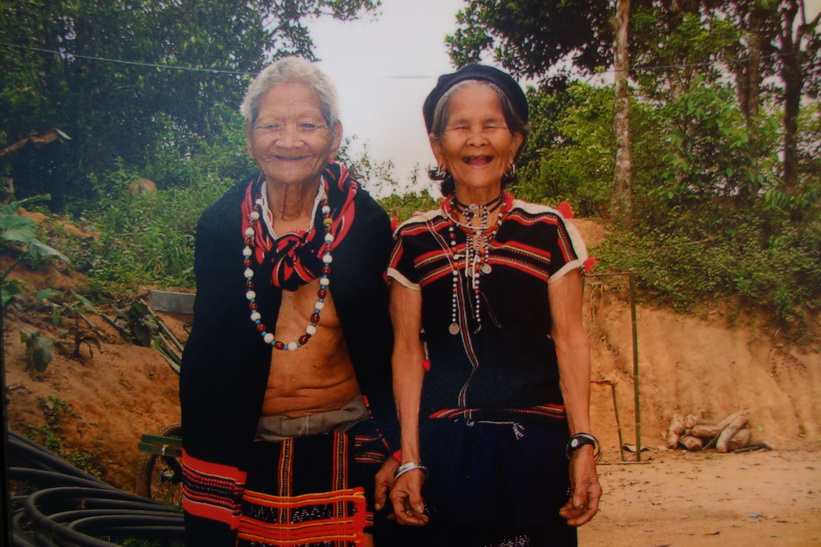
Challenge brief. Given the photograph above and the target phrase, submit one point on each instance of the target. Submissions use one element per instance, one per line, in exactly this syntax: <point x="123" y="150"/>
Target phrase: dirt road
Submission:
<point x="681" y="499"/>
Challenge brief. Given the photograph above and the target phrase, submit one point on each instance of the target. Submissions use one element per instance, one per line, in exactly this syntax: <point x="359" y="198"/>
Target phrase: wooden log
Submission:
<point x="693" y="444"/>
<point x="675" y="430"/>
<point x="739" y="420"/>
<point x="691" y="420"/>
<point x="740" y="440"/>
<point x="710" y="430"/>
<point x="705" y="431"/>
<point x="731" y="418"/>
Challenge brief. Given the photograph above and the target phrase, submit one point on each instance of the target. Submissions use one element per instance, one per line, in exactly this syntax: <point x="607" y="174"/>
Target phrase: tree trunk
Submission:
<point x="748" y="75"/>
<point x="621" y="201"/>
<point x="793" y="82"/>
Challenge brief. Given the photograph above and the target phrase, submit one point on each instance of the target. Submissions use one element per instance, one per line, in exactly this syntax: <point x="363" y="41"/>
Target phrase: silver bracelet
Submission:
<point x="410" y="466"/>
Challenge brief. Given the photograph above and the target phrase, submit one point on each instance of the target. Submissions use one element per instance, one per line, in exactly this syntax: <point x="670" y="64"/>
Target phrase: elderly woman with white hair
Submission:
<point x="287" y="410"/>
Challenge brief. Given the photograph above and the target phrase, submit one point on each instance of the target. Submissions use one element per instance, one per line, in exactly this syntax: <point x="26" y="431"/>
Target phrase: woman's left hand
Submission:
<point x="585" y="490"/>
<point x="384" y="482"/>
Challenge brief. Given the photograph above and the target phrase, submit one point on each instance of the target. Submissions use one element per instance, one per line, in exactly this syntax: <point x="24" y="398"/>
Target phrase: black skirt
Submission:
<point x="496" y="483"/>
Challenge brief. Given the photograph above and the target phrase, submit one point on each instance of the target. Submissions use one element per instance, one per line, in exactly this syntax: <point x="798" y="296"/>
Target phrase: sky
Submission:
<point x="383" y="68"/>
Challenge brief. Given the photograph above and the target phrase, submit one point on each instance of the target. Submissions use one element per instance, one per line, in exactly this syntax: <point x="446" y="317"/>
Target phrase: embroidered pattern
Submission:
<point x="338" y="516"/>
<point x="211" y="490"/>
<point x="506" y="249"/>
<point x="490" y="414"/>
<point x="311" y="518"/>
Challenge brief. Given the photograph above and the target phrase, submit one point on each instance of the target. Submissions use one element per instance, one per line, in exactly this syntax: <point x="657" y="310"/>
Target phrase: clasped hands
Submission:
<point x="405" y="492"/>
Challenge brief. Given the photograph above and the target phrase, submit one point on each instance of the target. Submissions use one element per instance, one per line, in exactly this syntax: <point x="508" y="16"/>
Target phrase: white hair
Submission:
<point x="292" y="70"/>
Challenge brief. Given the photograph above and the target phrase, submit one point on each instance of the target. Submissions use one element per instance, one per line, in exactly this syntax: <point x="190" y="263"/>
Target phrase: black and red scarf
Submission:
<point x="295" y="257"/>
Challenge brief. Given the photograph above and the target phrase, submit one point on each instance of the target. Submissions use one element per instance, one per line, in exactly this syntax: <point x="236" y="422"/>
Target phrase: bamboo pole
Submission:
<point x="635" y="336"/>
<point x="635" y="365"/>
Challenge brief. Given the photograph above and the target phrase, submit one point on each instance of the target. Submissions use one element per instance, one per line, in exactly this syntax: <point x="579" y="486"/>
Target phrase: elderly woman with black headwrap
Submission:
<point x="491" y="362"/>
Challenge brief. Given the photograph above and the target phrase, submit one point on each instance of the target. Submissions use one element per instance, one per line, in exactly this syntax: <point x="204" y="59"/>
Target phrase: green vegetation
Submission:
<point x="186" y="66"/>
<point x="143" y="240"/>
<point x="39" y="350"/>
<point x="48" y="434"/>
<point x="17" y="238"/>
<point x="712" y="219"/>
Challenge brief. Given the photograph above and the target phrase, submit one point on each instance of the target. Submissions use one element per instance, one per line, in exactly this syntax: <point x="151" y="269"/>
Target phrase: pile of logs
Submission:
<point x="729" y="435"/>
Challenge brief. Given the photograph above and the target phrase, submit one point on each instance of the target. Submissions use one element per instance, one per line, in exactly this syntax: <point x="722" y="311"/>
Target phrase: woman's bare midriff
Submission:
<point x="319" y="376"/>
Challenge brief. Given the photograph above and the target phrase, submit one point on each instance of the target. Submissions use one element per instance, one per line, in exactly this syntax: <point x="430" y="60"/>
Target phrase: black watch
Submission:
<point x="579" y="440"/>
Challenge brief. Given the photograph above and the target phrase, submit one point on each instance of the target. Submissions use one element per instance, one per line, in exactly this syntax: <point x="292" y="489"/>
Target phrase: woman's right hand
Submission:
<point x="406" y="496"/>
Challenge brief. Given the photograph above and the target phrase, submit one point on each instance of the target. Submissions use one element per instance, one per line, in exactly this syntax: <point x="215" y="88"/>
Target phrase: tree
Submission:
<point x="531" y="37"/>
<point x="754" y="39"/>
<point x="798" y="43"/>
<point x="621" y="204"/>
<point x="749" y="58"/>
<point x="129" y="79"/>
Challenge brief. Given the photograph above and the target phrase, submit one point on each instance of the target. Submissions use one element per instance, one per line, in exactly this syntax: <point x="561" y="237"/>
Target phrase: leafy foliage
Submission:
<point x="375" y="176"/>
<point x="529" y="37"/>
<point x="403" y="207"/>
<point x="48" y="434"/>
<point x="128" y="80"/>
<point x="139" y="323"/>
<point x="144" y="239"/>
<point x="713" y="219"/>
<point x="39" y="350"/>
<point x="17" y="234"/>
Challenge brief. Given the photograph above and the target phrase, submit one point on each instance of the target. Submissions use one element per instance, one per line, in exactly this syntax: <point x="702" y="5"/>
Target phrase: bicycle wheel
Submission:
<point x="160" y="477"/>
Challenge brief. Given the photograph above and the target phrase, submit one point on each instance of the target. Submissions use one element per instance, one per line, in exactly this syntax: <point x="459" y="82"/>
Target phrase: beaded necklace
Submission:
<point x="476" y="254"/>
<point x="324" y="281"/>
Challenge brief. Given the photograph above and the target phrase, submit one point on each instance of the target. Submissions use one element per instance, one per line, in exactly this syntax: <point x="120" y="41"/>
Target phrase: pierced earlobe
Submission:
<point x="510" y="174"/>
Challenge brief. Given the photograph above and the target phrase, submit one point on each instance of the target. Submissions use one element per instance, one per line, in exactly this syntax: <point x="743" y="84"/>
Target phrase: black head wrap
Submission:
<point x="503" y="81"/>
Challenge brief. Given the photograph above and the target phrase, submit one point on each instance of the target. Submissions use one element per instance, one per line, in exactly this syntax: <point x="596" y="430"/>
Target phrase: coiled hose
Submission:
<point x="57" y="504"/>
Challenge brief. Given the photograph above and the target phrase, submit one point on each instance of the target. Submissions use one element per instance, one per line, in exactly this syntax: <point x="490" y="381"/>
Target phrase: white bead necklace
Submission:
<point x="324" y="281"/>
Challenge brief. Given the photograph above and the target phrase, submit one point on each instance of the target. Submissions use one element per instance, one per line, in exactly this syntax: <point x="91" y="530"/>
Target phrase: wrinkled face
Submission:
<point x="477" y="147"/>
<point x="290" y="140"/>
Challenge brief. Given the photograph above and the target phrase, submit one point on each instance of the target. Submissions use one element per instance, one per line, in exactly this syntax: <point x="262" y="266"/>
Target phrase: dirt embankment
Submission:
<point x="713" y="365"/>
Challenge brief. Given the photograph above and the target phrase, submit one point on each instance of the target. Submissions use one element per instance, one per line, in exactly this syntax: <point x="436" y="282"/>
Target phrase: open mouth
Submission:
<point x="477" y="161"/>
<point x="290" y="158"/>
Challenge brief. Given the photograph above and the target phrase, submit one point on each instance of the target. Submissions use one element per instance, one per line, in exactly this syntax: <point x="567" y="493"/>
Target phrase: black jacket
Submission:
<point x="225" y="363"/>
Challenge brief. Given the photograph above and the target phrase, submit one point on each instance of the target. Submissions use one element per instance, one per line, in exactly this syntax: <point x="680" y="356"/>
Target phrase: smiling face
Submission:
<point x="290" y="140"/>
<point x="476" y="147"/>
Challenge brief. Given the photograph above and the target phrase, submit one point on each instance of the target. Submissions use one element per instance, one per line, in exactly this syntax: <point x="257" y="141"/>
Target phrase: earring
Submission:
<point x="510" y="174"/>
<point x="440" y="173"/>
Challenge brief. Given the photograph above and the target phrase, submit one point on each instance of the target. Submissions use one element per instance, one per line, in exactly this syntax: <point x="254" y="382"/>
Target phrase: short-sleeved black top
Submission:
<point x="510" y="363"/>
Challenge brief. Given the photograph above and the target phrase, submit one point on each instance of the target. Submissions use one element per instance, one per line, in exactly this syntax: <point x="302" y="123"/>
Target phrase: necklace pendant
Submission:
<point x="453" y="328"/>
<point x="486" y="268"/>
